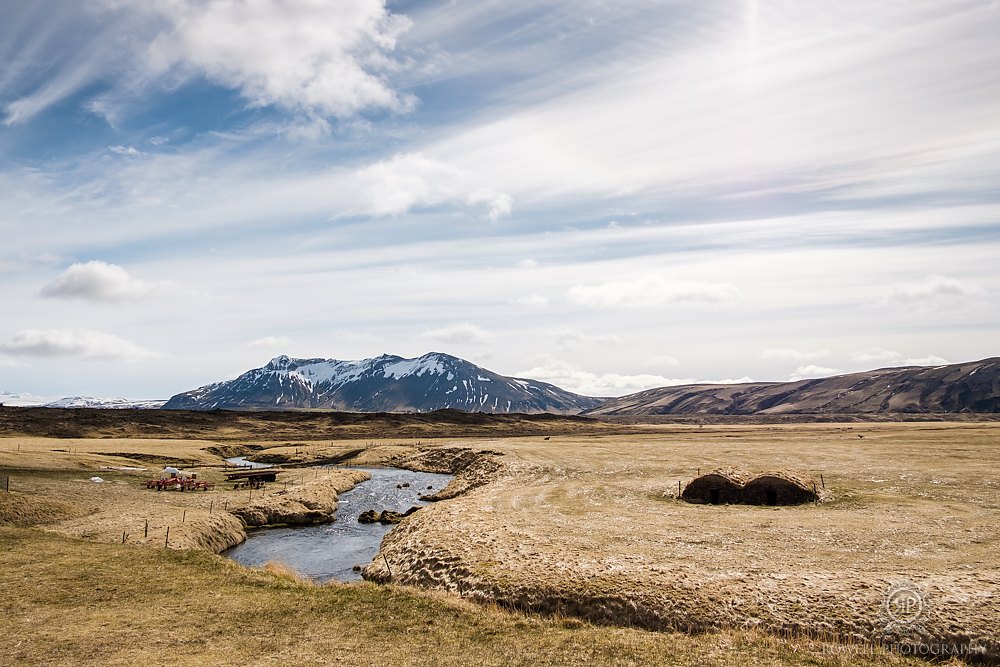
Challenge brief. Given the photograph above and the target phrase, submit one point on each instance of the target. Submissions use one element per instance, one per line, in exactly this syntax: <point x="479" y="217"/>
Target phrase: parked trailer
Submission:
<point x="179" y="484"/>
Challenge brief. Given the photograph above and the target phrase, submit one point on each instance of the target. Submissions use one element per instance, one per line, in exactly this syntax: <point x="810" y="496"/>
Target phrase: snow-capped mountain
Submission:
<point x="105" y="403"/>
<point x="383" y="384"/>
<point x="21" y="399"/>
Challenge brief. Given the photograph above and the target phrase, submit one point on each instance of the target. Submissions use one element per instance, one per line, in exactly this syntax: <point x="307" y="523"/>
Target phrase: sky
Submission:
<point x="606" y="196"/>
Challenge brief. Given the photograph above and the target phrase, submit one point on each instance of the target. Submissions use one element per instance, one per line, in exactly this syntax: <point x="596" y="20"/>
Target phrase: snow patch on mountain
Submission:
<point x="428" y="363"/>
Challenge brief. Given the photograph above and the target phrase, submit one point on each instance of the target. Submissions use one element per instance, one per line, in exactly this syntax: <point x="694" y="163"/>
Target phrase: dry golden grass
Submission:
<point x="94" y="453"/>
<point x="590" y="526"/>
<point x="584" y="526"/>
<point x="69" y="602"/>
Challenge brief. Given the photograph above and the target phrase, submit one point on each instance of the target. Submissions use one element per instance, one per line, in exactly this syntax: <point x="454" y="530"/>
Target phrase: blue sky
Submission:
<point x="607" y="196"/>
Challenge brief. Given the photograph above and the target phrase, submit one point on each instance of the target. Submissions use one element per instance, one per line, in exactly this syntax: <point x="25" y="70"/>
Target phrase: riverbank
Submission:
<point x="339" y="550"/>
<point x="91" y="495"/>
<point x="310" y="502"/>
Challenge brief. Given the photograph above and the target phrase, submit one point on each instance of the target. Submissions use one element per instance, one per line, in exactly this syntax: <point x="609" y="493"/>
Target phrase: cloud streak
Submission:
<point x="570" y="376"/>
<point x="72" y="343"/>
<point x="651" y="291"/>
<point x="459" y="334"/>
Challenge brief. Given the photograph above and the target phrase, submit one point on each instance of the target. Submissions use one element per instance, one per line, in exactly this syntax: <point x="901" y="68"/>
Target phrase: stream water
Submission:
<point x="332" y="550"/>
<point x="242" y="462"/>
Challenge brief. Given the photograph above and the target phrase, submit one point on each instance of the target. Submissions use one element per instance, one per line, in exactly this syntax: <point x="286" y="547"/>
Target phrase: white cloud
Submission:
<point x="876" y="354"/>
<point x="412" y="180"/>
<point x="883" y="356"/>
<point x="929" y="360"/>
<point x="663" y="360"/>
<point x="313" y="58"/>
<point x="813" y="371"/>
<point x="788" y="354"/>
<point x="129" y="151"/>
<point x="533" y="300"/>
<point x="270" y="342"/>
<point x="99" y="281"/>
<point x="577" y="338"/>
<point x="933" y="290"/>
<point x="569" y="376"/>
<point x="72" y="343"/>
<point x="459" y="334"/>
<point x="650" y="291"/>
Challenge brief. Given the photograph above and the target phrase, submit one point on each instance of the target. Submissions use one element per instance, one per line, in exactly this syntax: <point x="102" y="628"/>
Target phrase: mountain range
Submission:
<point x="32" y="401"/>
<point x="386" y="383"/>
<point x="437" y="381"/>
<point x="967" y="387"/>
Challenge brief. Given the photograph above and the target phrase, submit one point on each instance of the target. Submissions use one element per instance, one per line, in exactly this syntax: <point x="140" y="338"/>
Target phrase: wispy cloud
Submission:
<point x="789" y="354"/>
<point x="939" y="290"/>
<point x="271" y="342"/>
<point x="651" y="291"/>
<point x="72" y="343"/>
<point x="464" y="333"/>
<point x="128" y="151"/>
<point x="571" y="376"/>
<point x="566" y="338"/>
<point x="811" y="371"/>
<point x="533" y="300"/>
<point x="892" y="357"/>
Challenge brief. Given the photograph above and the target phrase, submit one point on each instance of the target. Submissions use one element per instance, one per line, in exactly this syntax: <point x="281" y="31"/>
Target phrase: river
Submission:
<point x="331" y="551"/>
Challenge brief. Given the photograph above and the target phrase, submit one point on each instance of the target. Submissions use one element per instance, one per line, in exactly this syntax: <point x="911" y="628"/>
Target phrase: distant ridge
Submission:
<point x="387" y="383"/>
<point x="106" y="403"/>
<point x="971" y="387"/>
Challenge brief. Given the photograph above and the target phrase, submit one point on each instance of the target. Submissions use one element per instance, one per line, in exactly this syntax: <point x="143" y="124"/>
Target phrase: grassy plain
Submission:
<point x="581" y="525"/>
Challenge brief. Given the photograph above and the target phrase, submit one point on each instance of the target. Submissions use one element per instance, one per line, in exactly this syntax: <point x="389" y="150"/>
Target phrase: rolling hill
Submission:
<point x="966" y="387"/>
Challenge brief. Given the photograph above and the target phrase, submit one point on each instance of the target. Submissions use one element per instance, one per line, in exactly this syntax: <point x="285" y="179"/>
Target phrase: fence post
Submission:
<point x="145" y="531"/>
<point x="387" y="565"/>
<point x="823" y="481"/>
<point x="166" y="540"/>
<point x="184" y="516"/>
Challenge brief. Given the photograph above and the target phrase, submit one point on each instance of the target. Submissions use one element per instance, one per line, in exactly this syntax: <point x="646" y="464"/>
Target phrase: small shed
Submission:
<point x="719" y="487"/>
<point x="729" y="486"/>
<point x="779" y="488"/>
